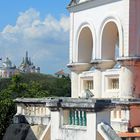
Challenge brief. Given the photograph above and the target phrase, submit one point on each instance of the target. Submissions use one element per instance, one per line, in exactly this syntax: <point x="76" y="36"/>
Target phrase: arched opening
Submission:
<point x="85" y="46"/>
<point x="110" y="42"/>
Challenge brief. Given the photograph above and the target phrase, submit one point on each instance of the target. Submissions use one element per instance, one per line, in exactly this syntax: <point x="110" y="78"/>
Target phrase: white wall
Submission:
<point x="110" y="93"/>
<point x="95" y="18"/>
<point x="74" y="85"/>
<point x="96" y="76"/>
<point x="106" y="18"/>
<point x="89" y="132"/>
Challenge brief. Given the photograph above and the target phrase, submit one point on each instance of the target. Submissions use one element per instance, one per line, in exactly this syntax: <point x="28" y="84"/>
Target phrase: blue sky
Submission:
<point x="39" y="26"/>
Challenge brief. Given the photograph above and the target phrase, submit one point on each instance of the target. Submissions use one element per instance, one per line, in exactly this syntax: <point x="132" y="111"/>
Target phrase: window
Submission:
<point x="88" y="84"/>
<point x="117" y="113"/>
<point x="113" y="83"/>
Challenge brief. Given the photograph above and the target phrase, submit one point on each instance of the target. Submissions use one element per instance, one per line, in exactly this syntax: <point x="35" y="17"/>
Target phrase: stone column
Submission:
<point x="74" y="85"/>
<point x="19" y="109"/>
<point x="97" y="79"/>
<point x="55" y="118"/>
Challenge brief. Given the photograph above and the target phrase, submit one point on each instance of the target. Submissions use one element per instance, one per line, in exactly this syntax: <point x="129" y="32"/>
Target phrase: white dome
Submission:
<point x="7" y="63"/>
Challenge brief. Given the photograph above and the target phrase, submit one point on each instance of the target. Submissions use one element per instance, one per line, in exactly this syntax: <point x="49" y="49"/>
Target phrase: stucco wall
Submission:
<point x="95" y="18"/>
<point x="95" y="15"/>
<point x="74" y="132"/>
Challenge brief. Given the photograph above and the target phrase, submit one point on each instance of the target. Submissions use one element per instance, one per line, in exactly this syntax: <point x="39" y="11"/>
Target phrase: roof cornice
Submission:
<point x="75" y="5"/>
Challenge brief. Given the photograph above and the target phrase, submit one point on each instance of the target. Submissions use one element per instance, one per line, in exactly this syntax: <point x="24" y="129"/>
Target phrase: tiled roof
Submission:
<point x="129" y="135"/>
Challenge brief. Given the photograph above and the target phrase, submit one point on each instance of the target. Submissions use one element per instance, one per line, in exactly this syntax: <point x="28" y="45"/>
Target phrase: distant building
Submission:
<point x="61" y="73"/>
<point x="7" y="69"/>
<point x="27" y="66"/>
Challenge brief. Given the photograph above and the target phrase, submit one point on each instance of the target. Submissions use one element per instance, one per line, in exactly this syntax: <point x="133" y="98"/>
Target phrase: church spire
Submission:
<point x="26" y="58"/>
<point x="26" y="54"/>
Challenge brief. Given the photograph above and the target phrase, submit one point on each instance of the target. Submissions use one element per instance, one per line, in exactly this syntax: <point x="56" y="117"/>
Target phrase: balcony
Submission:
<point x="79" y="67"/>
<point x="103" y="64"/>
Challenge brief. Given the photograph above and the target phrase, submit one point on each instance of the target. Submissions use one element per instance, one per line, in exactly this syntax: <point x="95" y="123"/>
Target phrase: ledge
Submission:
<point x="121" y="121"/>
<point x="130" y="58"/>
<point x="31" y="100"/>
<point x="126" y="101"/>
<point x="83" y="103"/>
<point x="92" y="105"/>
<point x="74" y="6"/>
<point x="103" y="64"/>
<point x="79" y="67"/>
<point x="74" y="127"/>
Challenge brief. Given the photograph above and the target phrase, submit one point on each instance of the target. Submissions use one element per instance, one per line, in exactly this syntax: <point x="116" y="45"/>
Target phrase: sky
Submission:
<point x="40" y="27"/>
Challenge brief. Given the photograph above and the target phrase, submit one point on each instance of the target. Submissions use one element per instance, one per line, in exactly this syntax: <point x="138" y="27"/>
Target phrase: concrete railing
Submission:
<point x="31" y="112"/>
<point x="74" y="117"/>
<point x="77" y="119"/>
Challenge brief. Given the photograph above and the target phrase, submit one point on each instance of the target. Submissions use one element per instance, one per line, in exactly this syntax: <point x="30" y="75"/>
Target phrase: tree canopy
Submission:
<point x="28" y="86"/>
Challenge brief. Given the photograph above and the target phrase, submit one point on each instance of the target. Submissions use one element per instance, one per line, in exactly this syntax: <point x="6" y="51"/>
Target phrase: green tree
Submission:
<point x="7" y="110"/>
<point x="28" y="86"/>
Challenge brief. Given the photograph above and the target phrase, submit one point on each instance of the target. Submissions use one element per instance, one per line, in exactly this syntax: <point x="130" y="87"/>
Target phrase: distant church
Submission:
<point x="27" y="66"/>
<point x="8" y="70"/>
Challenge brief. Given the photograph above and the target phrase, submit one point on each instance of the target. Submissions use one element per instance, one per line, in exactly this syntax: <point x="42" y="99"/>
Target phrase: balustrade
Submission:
<point x="31" y="110"/>
<point x="77" y="117"/>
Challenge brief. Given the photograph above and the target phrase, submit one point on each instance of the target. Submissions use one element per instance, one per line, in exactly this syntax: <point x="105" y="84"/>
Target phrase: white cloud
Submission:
<point x="64" y="22"/>
<point x="46" y="40"/>
<point x="27" y="18"/>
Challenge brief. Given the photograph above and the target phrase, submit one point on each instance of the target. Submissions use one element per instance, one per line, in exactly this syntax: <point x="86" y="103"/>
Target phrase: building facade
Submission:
<point x="105" y="52"/>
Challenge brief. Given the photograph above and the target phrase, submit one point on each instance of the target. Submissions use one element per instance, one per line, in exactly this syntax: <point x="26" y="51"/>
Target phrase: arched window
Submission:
<point x="85" y="46"/>
<point x="110" y="41"/>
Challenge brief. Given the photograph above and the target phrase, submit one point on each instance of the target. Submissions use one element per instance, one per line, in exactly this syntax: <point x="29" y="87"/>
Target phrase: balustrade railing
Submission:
<point x="32" y="110"/>
<point x="75" y="117"/>
<point x="32" y="114"/>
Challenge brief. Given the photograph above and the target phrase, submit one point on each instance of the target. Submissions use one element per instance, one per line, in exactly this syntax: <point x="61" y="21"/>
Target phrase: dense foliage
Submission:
<point x="28" y="86"/>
